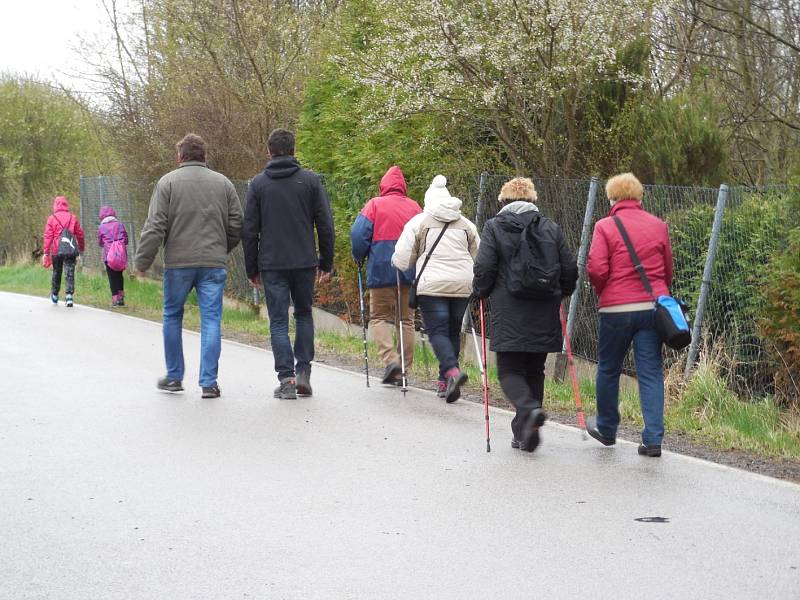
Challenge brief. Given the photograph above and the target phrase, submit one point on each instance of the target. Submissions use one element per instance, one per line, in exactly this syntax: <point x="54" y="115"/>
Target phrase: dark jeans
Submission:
<point x="210" y="284"/>
<point x="67" y="266"/>
<point x="442" y="318"/>
<point x="617" y="331"/>
<point x="115" y="281"/>
<point x="521" y="376"/>
<point x="281" y="287"/>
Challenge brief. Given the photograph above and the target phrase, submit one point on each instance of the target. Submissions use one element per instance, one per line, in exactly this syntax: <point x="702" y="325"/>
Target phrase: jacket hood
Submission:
<point x="515" y="222"/>
<point x="446" y="210"/>
<point x="282" y="166"/>
<point x="393" y="182"/>
<point x="60" y="203"/>
<point x="107" y="211"/>
<point x="519" y="207"/>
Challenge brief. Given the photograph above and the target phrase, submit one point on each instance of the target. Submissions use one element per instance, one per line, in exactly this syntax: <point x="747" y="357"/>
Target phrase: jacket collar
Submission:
<point x="193" y="163"/>
<point x="625" y="204"/>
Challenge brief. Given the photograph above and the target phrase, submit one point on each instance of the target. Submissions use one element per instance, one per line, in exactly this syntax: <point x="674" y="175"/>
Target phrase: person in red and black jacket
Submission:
<point x="627" y="310"/>
<point x="373" y="237"/>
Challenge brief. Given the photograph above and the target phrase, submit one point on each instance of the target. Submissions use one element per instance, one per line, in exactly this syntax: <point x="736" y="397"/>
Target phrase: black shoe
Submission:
<point x="170" y="385"/>
<point x="287" y="390"/>
<point x="530" y="431"/>
<point x="652" y="451"/>
<point x="591" y="429"/>
<point x="303" y="384"/>
<point x="212" y="391"/>
<point x="453" y="391"/>
<point x="515" y="444"/>
<point x="392" y="374"/>
<point x="68" y="302"/>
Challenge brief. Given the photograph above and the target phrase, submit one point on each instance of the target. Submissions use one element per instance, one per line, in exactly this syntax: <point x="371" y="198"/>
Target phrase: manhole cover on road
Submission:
<point x="653" y="519"/>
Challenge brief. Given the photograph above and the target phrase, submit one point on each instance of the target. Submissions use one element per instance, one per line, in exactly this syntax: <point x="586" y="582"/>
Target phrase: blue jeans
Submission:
<point x="617" y="331"/>
<point x="442" y="318"/>
<point x="280" y="287"/>
<point x="210" y="284"/>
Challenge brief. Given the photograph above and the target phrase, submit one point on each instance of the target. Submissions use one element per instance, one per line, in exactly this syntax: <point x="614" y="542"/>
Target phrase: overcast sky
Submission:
<point x="38" y="37"/>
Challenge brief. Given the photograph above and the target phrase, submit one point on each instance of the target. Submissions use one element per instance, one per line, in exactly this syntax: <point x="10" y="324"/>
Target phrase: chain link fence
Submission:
<point x="753" y="224"/>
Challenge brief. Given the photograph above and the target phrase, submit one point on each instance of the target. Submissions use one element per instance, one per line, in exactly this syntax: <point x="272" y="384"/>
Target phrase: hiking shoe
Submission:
<point x="453" y="390"/>
<point x="170" y="385"/>
<point x="287" y="390"/>
<point x="303" y="384"/>
<point x="591" y="429"/>
<point x="211" y="391"/>
<point x="68" y="301"/>
<point x="651" y="451"/>
<point x="54" y="299"/>
<point x="392" y="374"/>
<point x="441" y="388"/>
<point x="530" y="440"/>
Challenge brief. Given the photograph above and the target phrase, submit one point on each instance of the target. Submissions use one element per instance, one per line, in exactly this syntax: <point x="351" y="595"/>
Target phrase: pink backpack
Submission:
<point x="117" y="256"/>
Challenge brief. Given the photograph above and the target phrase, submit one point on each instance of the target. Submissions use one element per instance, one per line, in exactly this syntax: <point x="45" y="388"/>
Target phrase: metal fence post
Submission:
<point x="705" y="286"/>
<point x="480" y="210"/>
<point x="575" y="300"/>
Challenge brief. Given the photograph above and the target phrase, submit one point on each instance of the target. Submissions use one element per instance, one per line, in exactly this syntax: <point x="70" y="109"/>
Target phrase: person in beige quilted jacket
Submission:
<point x="445" y="285"/>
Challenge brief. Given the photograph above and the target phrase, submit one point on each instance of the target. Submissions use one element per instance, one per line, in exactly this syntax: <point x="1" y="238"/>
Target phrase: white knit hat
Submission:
<point x="437" y="189"/>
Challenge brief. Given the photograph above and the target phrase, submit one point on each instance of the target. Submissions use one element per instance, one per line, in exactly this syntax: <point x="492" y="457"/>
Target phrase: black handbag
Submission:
<point x="671" y="323"/>
<point x="412" y="292"/>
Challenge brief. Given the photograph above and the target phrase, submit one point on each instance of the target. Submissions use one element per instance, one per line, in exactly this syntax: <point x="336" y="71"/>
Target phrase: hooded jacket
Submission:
<point x="61" y="219"/>
<point x="520" y="324"/>
<point x="376" y="230"/>
<point x="449" y="271"/>
<point x="285" y="203"/>
<point x="110" y="229"/>
<point x="196" y="214"/>
<point x="610" y="267"/>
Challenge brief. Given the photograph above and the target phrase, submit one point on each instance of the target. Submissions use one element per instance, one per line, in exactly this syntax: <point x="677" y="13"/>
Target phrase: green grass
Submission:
<point x="705" y="408"/>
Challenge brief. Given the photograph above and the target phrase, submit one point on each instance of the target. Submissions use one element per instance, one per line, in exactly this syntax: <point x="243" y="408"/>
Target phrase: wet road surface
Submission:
<point x="110" y="489"/>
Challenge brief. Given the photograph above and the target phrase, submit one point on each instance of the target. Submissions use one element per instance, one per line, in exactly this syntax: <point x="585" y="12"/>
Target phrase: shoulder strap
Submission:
<point x="63" y="227"/>
<point x="634" y="257"/>
<point x="436" y="243"/>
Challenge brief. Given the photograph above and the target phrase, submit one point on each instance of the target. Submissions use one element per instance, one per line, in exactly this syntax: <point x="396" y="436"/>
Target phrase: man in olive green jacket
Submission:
<point x="196" y="214"/>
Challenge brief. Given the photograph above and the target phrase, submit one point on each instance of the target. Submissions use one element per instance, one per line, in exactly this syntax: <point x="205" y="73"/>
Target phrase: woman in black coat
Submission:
<point x="523" y="329"/>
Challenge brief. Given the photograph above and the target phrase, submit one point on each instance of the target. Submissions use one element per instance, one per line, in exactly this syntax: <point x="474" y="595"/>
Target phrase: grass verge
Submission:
<point x="705" y="408"/>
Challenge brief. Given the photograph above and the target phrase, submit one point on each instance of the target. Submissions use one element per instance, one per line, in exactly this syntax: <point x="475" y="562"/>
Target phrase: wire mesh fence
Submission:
<point x="755" y="225"/>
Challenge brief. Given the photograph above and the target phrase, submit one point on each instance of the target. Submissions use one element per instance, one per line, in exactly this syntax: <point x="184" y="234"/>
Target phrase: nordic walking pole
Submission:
<point x="484" y="379"/>
<point x="363" y="321"/>
<point x="403" y="389"/>
<point x="485" y="376"/>
<point x="576" y="390"/>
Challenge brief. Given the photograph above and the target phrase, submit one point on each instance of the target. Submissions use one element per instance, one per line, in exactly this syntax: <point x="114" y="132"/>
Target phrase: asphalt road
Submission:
<point x="110" y="489"/>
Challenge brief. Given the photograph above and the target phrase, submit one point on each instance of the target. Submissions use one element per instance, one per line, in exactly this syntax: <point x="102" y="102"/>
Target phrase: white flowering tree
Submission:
<point x="523" y="68"/>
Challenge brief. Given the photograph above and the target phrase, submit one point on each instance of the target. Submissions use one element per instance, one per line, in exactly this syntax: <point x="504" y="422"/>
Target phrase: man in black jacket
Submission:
<point x="285" y="204"/>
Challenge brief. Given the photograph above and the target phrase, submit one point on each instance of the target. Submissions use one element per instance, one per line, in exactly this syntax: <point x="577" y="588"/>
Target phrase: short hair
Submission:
<point x="192" y="147"/>
<point x="280" y="142"/>
<point x="519" y="188"/>
<point x="624" y="185"/>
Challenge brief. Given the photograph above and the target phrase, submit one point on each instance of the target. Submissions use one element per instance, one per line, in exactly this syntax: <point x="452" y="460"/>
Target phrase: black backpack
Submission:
<point x="535" y="268"/>
<point x="67" y="244"/>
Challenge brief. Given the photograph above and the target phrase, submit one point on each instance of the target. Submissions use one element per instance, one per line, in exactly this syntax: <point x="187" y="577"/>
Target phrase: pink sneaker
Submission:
<point x="441" y="388"/>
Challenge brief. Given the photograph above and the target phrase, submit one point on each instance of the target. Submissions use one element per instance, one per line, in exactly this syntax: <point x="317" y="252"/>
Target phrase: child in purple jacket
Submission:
<point x="110" y="230"/>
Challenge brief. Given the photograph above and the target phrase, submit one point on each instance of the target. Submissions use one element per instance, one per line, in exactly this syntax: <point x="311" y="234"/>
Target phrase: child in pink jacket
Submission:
<point x="109" y="231"/>
<point x="63" y="243"/>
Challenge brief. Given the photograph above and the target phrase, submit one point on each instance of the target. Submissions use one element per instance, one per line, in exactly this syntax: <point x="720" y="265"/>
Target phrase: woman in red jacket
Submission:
<point x="627" y="310"/>
<point x="62" y="250"/>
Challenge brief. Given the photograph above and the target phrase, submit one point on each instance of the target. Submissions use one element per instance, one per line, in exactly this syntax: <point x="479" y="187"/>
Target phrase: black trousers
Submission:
<point x="115" y="281"/>
<point x="67" y="266"/>
<point x="521" y="376"/>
